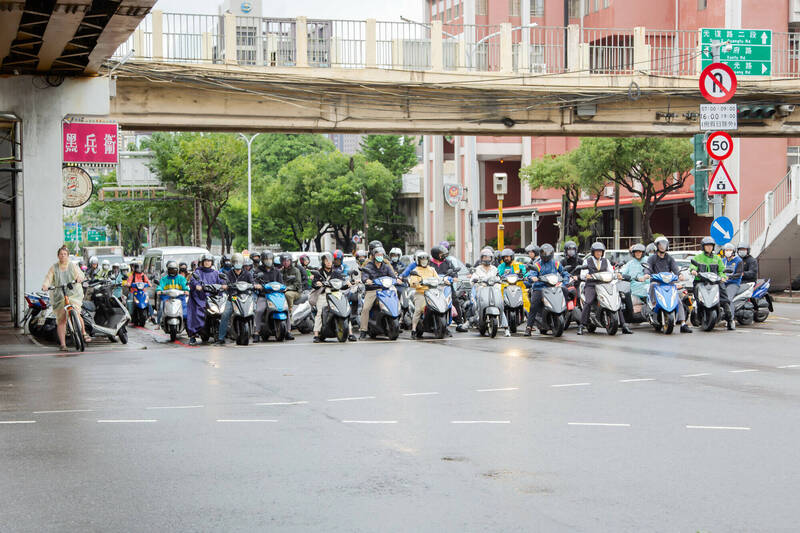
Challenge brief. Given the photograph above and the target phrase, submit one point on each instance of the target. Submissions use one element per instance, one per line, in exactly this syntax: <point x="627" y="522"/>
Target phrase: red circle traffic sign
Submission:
<point x="718" y="83"/>
<point x="719" y="145"/>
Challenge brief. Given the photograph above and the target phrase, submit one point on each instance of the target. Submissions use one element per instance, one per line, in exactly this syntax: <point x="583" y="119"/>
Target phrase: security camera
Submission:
<point x="784" y="110"/>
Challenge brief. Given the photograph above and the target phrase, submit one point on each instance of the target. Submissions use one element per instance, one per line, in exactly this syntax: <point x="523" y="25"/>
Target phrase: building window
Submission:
<point x="537" y="8"/>
<point x="481" y="7"/>
<point x="596" y="5"/>
<point x="702" y="4"/>
<point x="606" y="3"/>
<point x="792" y="156"/>
<point x="574" y="9"/>
<point x="513" y="8"/>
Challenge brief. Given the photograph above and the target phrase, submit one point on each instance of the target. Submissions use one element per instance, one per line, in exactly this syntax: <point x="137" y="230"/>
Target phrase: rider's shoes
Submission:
<point x="731" y="325"/>
<point x="362" y="335"/>
<point x="462" y="328"/>
<point x="508" y="333"/>
<point x="192" y="341"/>
<point x="289" y="337"/>
<point x="351" y="338"/>
<point x="580" y="330"/>
<point x="317" y="339"/>
<point x="527" y="332"/>
<point x="685" y="328"/>
<point x="220" y="342"/>
<point x="626" y="330"/>
<point x="256" y="338"/>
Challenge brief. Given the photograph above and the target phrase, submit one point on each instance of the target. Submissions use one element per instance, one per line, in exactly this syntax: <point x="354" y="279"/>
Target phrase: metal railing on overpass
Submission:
<point x="409" y="45"/>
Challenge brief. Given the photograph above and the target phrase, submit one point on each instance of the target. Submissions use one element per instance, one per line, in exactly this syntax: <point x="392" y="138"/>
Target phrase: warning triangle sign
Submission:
<point x="721" y="182"/>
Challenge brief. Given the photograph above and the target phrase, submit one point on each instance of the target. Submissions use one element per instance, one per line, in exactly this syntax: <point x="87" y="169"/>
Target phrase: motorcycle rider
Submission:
<point x="266" y="273"/>
<point x="734" y="269"/>
<point x="119" y="278"/>
<point x="634" y="270"/>
<point x="361" y="257"/>
<point x="225" y="264"/>
<point x="302" y="265"/>
<point x="394" y="258"/>
<point x="372" y="270"/>
<point x="750" y="272"/>
<point x="338" y="263"/>
<point x="137" y="276"/>
<point x="507" y="265"/>
<point x="173" y="280"/>
<point x="486" y="270"/>
<point x="248" y="264"/>
<point x="326" y="272"/>
<point x="372" y="245"/>
<point x="545" y="265"/>
<point x="716" y="265"/>
<point x="660" y="262"/>
<point x="423" y="270"/>
<point x="94" y="268"/>
<point x="235" y="274"/>
<point x="571" y="260"/>
<point x="649" y="250"/>
<point x="437" y="260"/>
<point x="596" y="262"/>
<point x="256" y="258"/>
<point x="293" y="279"/>
<point x="533" y="252"/>
<point x="183" y="269"/>
<point x="195" y="310"/>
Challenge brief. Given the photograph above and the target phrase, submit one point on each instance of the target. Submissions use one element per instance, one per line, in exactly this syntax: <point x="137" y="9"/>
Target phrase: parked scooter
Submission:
<point x="105" y="315"/>
<point x="605" y="310"/>
<point x="662" y="312"/>
<point x="513" y="303"/>
<point x="216" y="301"/>
<point x="141" y="303"/>
<point x="384" y="317"/>
<point x="173" y="314"/>
<point x="303" y="314"/>
<point x="275" y="322"/>
<point x="762" y="301"/>
<point x="436" y="314"/>
<point x="244" y="312"/>
<point x="336" y="314"/>
<point x="554" y="311"/>
<point x="743" y="308"/>
<point x="39" y="317"/>
<point x="487" y="296"/>
<point x="707" y="311"/>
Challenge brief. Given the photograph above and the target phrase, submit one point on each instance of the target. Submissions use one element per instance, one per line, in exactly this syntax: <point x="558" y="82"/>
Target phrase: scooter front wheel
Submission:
<point x="280" y="330"/>
<point x="667" y="322"/>
<point x="559" y="323"/>
<point x="512" y="321"/>
<point x="612" y="323"/>
<point x="341" y="329"/>
<point x="123" y="335"/>
<point x="173" y="333"/>
<point x="493" y="326"/>
<point x="709" y="319"/>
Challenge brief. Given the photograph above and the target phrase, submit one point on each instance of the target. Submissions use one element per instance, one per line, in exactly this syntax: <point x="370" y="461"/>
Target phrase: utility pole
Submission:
<point x="566" y="33"/>
<point x="249" y="141"/>
<point x="616" y="216"/>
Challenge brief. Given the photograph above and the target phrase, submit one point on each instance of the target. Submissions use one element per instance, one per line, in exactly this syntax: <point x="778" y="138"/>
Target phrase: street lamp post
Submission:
<point x="249" y="141"/>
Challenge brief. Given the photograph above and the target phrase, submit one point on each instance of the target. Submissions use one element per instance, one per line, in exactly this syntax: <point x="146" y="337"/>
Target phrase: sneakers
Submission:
<point x="527" y="332"/>
<point x="731" y="325"/>
<point x="462" y="328"/>
<point x="626" y="330"/>
<point x="351" y="338"/>
<point x="580" y="330"/>
<point x="192" y="341"/>
<point x="220" y="342"/>
<point x="362" y="335"/>
<point x="508" y="333"/>
<point x="289" y="336"/>
<point x="256" y="338"/>
<point x="317" y="339"/>
<point x="685" y="328"/>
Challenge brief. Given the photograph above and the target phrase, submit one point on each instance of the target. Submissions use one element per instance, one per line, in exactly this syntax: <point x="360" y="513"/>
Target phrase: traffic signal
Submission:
<point x="700" y="173"/>
<point x="756" y="111"/>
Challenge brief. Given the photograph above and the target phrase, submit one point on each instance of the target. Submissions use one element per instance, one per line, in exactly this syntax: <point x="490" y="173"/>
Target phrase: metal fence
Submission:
<point x="786" y="54"/>
<point x="676" y="242"/>
<point x="348" y="43"/>
<point x="758" y="221"/>
<point x="195" y="38"/>
<point x="610" y="50"/>
<point x="403" y="45"/>
<point x="545" y="49"/>
<point x="482" y="47"/>
<point x="673" y="53"/>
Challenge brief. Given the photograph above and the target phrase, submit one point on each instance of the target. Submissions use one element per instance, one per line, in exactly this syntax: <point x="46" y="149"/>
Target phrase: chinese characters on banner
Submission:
<point x="85" y="142"/>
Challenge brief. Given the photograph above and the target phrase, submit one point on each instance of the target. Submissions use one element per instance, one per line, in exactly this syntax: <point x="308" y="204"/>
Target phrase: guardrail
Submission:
<point x="755" y="228"/>
<point x="407" y="45"/>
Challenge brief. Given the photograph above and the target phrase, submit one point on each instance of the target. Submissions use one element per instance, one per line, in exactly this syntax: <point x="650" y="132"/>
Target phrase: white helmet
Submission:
<point x="93" y="260"/>
<point x="106" y="264"/>
<point x="661" y="240"/>
<point x="395" y="251"/>
<point x="487" y="252"/>
<point x="238" y="261"/>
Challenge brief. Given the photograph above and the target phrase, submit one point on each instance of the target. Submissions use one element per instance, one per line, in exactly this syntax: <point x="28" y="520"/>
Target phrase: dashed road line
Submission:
<point x="177" y="407"/>
<point x="696" y="375"/>
<point x="420" y="393"/>
<point x="789" y="366"/>
<point x="17" y="421"/>
<point x="245" y="420"/>
<point x="771" y="333"/>
<point x="636" y="380"/>
<point x="369" y="421"/>
<point x="64" y="411"/>
<point x="744" y="370"/>
<point x="602" y="424"/>
<point x="480" y="421"/>
<point x="735" y="428"/>
<point x="283" y="403"/>
<point x="351" y="399"/>
<point x="571" y="385"/>
<point x="497" y="390"/>
<point x="127" y="421"/>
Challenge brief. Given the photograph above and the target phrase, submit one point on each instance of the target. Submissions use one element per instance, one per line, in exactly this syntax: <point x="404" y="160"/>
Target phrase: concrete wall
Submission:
<point x="42" y="109"/>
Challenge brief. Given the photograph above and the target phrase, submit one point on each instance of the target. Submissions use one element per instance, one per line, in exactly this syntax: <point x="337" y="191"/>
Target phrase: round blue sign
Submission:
<point x="722" y="230"/>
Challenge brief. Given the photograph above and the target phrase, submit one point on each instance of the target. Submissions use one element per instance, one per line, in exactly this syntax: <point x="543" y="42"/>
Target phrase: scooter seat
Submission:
<point x="89" y="306"/>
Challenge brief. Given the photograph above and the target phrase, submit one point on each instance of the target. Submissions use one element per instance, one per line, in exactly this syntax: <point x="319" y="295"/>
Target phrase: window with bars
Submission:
<point x="574" y="8"/>
<point x="606" y="3"/>
<point x="481" y="7"/>
<point x="702" y="4"/>
<point x="514" y="8"/>
<point x="537" y="8"/>
<point x="793" y="155"/>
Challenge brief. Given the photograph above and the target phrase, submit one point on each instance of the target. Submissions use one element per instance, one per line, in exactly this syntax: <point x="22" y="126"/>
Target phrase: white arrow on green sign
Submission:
<point x="750" y="52"/>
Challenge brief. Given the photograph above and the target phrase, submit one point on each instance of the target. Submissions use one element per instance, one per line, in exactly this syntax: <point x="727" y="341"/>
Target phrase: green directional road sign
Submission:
<point x="72" y="232"/>
<point x="750" y="52"/>
<point x="96" y="235"/>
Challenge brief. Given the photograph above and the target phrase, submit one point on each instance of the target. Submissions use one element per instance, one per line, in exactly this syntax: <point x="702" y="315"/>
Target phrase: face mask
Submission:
<point x="423" y="262"/>
<point x="486" y="261"/>
<point x="742" y="253"/>
<point x="379" y="258"/>
<point x="570" y="253"/>
<point x="728" y="253"/>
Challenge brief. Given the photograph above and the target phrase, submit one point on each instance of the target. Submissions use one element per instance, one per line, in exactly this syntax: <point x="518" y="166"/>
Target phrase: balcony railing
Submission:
<point x="357" y="44"/>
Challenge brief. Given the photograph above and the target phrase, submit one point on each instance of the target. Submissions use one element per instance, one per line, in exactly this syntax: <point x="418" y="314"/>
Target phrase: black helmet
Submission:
<point x="172" y="268"/>
<point x="183" y="266"/>
<point x="285" y="256"/>
<point x="267" y="258"/>
<point x="638" y="247"/>
<point x="225" y="260"/>
<point x="507" y="252"/>
<point x="546" y="252"/>
<point x="136" y="266"/>
<point x="255" y="254"/>
<point x="375" y="244"/>
<point x="436" y="252"/>
<point x="570" y="248"/>
<point x="598" y="246"/>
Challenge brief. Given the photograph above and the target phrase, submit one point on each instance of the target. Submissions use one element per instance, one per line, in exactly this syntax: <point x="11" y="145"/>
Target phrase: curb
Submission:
<point x="786" y="299"/>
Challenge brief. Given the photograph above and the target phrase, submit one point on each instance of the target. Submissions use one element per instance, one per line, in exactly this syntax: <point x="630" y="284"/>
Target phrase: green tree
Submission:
<point x="647" y="167"/>
<point x="395" y="152"/>
<point x="273" y="150"/>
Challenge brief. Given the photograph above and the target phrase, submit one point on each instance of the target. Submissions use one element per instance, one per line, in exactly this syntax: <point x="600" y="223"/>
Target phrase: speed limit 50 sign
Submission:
<point x="719" y="145"/>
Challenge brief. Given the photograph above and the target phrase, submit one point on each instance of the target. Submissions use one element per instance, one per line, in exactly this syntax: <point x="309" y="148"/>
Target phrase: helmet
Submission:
<point x="436" y="252"/>
<point x="172" y="268"/>
<point x="105" y="265"/>
<point x="662" y="240"/>
<point x="303" y="259"/>
<point x="338" y="254"/>
<point x="206" y="257"/>
<point x="182" y="265"/>
<point x="638" y="247"/>
<point x="486" y="256"/>
<point x="93" y="260"/>
<point x="729" y="247"/>
<point x="136" y="266"/>
<point x="361" y="254"/>
<point x="267" y="259"/>
<point x="115" y="265"/>
<point x="507" y="252"/>
<point x="248" y="263"/>
<point x="255" y="255"/>
<point x="238" y="261"/>
<point x="286" y="256"/>
<point x="707" y="240"/>
<point x="375" y="244"/>
<point x="124" y="267"/>
<point x="421" y="258"/>
<point x="445" y="245"/>
<point x="225" y="260"/>
<point x="532" y="248"/>
<point x="570" y="248"/>
<point x="598" y="246"/>
<point x="546" y="252"/>
<point x="744" y="246"/>
<point x="650" y="249"/>
<point x="377" y="252"/>
<point x="325" y="255"/>
<point x="395" y="251"/>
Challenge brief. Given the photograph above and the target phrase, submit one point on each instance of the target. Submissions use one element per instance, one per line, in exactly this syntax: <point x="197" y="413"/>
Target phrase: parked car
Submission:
<point x="155" y="261"/>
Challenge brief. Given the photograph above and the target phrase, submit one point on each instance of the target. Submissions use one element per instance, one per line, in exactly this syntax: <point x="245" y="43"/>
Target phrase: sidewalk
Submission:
<point x="14" y="341"/>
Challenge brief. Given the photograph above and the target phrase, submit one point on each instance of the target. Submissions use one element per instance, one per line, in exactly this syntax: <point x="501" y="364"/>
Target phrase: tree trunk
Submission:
<point x="647" y="212"/>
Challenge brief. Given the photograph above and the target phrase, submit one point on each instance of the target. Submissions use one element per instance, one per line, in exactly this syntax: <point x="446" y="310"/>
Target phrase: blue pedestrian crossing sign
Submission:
<point x="722" y="230"/>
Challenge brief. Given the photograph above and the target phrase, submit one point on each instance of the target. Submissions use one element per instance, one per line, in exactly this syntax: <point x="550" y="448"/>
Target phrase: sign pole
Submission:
<point x="500" y="226"/>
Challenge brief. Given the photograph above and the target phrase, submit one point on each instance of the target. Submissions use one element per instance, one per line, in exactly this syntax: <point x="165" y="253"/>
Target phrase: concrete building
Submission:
<point x="470" y="161"/>
<point x="346" y="143"/>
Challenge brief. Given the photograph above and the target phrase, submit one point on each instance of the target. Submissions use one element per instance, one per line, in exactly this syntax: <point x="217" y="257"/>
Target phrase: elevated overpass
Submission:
<point x="189" y="72"/>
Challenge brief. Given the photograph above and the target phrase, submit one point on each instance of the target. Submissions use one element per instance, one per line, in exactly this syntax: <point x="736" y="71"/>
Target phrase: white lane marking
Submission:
<point x="177" y="407"/>
<point x="696" y="375"/>
<point x="771" y="333"/>
<point x="129" y="421"/>
<point x="17" y="421"/>
<point x="480" y="421"/>
<point x="605" y="424"/>
<point x="283" y="403"/>
<point x="789" y="366"/>
<point x="244" y="420"/>
<point x="420" y="393"/>
<point x="739" y="428"/>
<point x="571" y="385"/>
<point x="745" y="370"/>
<point x="497" y="390"/>
<point x="64" y="411"/>
<point x="351" y="399"/>
<point x="369" y="421"/>
<point x="635" y="380"/>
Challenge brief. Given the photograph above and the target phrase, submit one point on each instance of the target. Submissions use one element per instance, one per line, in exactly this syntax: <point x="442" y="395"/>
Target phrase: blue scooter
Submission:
<point x="662" y="312"/>
<point x="275" y="321"/>
<point x="384" y="317"/>
<point x="762" y="301"/>
<point x="141" y="303"/>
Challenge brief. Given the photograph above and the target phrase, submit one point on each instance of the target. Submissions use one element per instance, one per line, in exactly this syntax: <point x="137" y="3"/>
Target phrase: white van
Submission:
<point x="155" y="260"/>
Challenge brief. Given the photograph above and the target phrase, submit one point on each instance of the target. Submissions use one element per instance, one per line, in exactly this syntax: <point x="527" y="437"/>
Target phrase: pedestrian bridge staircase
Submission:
<point x="773" y="231"/>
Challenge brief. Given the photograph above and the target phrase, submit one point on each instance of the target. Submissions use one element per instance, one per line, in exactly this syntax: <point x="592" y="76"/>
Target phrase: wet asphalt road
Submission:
<point x="637" y="433"/>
